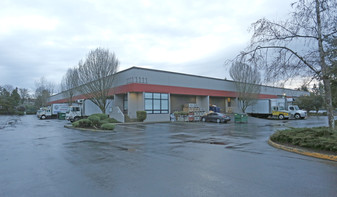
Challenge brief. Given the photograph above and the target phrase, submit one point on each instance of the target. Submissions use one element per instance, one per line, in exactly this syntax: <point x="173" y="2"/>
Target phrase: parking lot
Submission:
<point x="42" y="158"/>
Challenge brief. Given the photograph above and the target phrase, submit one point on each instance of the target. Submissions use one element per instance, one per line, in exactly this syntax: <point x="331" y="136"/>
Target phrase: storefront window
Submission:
<point x="156" y="103"/>
<point x="164" y="104"/>
<point x="148" y="95"/>
<point x="148" y="105"/>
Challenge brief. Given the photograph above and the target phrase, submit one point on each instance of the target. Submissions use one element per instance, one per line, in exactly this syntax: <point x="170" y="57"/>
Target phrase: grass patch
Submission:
<point x="319" y="138"/>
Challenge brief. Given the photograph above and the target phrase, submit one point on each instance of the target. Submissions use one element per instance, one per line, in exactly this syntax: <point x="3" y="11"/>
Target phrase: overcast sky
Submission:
<point x="43" y="38"/>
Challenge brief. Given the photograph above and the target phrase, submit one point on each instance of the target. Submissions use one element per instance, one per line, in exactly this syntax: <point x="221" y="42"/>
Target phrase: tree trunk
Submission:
<point x="328" y="101"/>
<point x="103" y="109"/>
<point x="325" y="73"/>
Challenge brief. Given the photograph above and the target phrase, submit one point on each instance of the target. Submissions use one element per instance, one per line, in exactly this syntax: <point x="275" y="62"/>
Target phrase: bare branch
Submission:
<point x="297" y="46"/>
<point x="96" y="76"/>
<point x="285" y="48"/>
<point x="247" y="82"/>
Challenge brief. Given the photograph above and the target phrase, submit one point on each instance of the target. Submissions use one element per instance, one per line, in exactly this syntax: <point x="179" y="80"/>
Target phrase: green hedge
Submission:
<point x="95" y="120"/>
<point x="20" y="113"/>
<point x="112" y="120"/>
<point x="103" y="122"/>
<point x="141" y="115"/>
<point x="108" y="126"/>
<point x="83" y="123"/>
<point x="76" y="124"/>
<point x="321" y="138"/>
<point x="100" y="116"/>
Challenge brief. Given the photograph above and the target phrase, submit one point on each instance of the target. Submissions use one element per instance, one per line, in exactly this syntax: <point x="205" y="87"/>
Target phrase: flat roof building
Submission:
<point x="161" y="93"/>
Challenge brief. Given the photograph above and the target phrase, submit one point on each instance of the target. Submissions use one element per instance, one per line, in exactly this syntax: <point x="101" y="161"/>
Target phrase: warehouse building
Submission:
<point x="161" y="93"/>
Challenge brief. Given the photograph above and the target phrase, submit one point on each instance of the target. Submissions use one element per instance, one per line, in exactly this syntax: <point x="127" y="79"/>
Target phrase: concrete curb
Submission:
<point x="303" y="152"/>
<point x="121" y="123"/>
<point x="84" y="129"/>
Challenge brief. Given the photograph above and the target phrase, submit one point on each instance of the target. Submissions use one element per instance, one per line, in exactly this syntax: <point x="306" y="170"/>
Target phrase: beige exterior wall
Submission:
<point x="203" y="102"/>
<point x="177" y="101"/>
<point x="135" y="103"/>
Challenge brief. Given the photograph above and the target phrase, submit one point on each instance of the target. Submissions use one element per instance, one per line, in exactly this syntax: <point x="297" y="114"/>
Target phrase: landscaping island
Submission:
<point x="318" y="142"/>
<point x="96" y="122"/>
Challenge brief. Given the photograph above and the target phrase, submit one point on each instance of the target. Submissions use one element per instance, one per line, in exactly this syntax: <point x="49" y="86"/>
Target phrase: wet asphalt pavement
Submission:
<point x="42" y="158"/>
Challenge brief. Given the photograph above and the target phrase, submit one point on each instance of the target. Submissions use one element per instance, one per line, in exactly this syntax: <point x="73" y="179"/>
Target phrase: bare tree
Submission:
<point x="44" y="89"/>
<point x="44" y="84"/>
<point x="8" y="87"/>
<point x="247" y="82"/>
<point x="96" y="76"/>
<point x="24" y="94"/>
<point x="297" y="46"/>
<point x="69" y="83"/>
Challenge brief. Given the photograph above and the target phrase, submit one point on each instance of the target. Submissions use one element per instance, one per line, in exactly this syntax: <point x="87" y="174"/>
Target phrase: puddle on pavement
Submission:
<point x="103" y="145"/>
<point x="209" y="141"/>
<point x="182" y="136"/>
<point x="41" y="125"/>
<point x="237" y="146"/>
<point x="10" y="122"/>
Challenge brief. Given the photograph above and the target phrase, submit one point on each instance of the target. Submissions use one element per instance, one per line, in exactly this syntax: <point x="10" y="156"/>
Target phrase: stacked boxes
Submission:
<point x="194" y="112"/>
<point x="191" y="107"/>
<point x="191" y="112"/>
<point x="190" y="116"/>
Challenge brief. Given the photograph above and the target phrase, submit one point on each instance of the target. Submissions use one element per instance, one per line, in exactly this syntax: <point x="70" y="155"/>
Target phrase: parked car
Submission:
<point x="215" y="117"/>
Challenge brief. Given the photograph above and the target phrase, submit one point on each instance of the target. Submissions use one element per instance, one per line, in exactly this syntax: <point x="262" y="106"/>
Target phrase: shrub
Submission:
<point x="94" y="115"/>
<point x="109" y="120"/>
<point x="318" y="138"/>
<point x="76" y="124"/>
<point x="20" y="113"/>
<point x="108" y="126"/>
<point x="83" y="123"/>
<point x="30" y="109"/>
<point x="128" y="119"/>
<point x="141" y="115"/>
<point x="101" y="122"/>
<point x="112" y="120"/>
<point x="95" y="120"/>
<point x="21" y="108"/>
<point x="101" y="116"/>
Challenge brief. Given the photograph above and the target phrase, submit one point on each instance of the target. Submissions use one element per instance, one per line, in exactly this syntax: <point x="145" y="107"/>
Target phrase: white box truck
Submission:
<point x="52" y="111"/>
<point x="277" y="108"/>
<point x="82" y="109"/>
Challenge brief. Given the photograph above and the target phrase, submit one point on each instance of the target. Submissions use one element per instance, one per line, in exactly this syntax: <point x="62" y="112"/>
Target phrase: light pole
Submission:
<point x="285" y="101"/>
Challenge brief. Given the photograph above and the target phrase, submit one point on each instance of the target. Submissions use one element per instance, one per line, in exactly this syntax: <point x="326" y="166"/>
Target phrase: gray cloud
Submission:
<point x="44" y="38"/>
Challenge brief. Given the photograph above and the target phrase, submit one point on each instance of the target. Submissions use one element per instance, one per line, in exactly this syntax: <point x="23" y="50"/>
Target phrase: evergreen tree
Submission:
<point x="5" y="102"/>
<point x="15" y="98"/>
